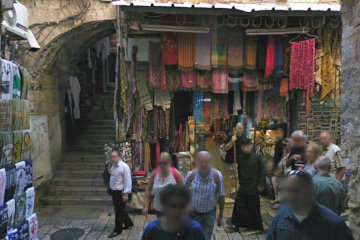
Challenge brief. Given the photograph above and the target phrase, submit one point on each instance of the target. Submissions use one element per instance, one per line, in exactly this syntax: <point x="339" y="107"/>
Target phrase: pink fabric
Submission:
<point x="188" y="80"/>
<point x="220" y="81"/>
<point x="302" y="64"/>
<point x="270" y="57"/>
<point x="157" y="152"/>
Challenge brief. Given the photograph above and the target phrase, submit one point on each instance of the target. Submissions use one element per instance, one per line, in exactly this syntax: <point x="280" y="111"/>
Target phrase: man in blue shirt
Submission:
<point x="174" y="223"/>
<point x="302" y="218"/>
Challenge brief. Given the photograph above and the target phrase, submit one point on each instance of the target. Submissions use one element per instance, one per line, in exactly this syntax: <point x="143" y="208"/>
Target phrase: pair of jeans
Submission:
<point x="207" y="222"/>
<point x="121" y="216"/>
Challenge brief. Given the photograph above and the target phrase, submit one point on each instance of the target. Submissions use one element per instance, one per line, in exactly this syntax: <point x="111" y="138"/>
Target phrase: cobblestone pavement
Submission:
<point x="97" y="223"/>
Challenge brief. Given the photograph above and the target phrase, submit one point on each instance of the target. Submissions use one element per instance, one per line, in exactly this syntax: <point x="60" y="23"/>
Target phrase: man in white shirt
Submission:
<point x="120" y="185"/>
<point x="332" y="151"/>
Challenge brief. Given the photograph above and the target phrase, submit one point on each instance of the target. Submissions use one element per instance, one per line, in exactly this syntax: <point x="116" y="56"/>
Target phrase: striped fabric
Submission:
<point x="186" y="51"/>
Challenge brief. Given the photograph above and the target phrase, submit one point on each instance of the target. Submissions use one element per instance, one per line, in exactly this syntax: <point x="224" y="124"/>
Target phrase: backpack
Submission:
<point x="215" y="174"/>
<point x="173" y="170"/>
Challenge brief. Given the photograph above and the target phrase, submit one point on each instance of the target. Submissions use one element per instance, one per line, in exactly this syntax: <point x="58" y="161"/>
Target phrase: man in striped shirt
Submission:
<point x="207" y="188"/>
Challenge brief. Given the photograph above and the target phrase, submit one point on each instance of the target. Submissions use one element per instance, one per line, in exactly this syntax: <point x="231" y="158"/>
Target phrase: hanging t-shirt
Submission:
<point x="23" y="230"/>
<point x="2" y="185"/>
<point x="3" y="220"/>
<point x="26" y="145"/>
<point x="33" y="227"/>
<point x="20" y="209"/>
<point x="20" y="114"/>
<point x="11" y="214"/>
<point x="17" y="146"/>
<point x="6" y="140"/>
<point x="21" y="183"/>
<point x="16" y="82"/>
<point x="10" y="182"/>
<point x="30" y="201"/>
<point x="13" y="235"/>
<point x="7" y="79"/>
<point x="29" y="175"/>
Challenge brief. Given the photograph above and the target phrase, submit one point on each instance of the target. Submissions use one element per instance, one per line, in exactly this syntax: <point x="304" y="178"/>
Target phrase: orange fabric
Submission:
<point x="186" y="51"/>
<point x="284" y="87"/>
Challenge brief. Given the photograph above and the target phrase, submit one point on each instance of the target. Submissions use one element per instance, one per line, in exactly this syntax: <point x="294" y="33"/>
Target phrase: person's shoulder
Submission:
<point x="195" y="226"/>
<point x="152" y="225"/>
<point x="329" y="217"/>
<point x="335" y="147"/>
<point x="218" y="173"/>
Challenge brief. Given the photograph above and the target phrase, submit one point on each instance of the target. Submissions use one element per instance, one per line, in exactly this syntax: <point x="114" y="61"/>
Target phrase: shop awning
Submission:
<point x="236" y="6"/>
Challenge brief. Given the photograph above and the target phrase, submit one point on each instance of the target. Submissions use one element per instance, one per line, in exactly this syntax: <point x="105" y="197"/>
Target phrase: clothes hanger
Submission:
<point x="304" y="33"/>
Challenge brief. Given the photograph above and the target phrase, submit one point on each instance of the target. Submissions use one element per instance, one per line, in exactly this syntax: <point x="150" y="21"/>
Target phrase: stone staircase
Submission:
<point x="78" y="178"/>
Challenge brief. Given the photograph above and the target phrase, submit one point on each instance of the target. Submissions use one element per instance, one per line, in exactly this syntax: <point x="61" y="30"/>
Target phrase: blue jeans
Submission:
<point x="207" y="222"/>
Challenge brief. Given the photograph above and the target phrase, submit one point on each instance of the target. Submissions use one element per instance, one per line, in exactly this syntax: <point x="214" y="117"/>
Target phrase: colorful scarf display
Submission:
<point x="188" y="80"/>
<point x="302" y="64"/>
<point x="169" y="45"/>
<point x="236" y="76"/>
<point x="220" y="81"/>
<point x="251" y="52"/>
<point x="198" y="106"/>
<point x="186" y="51"/>
<point x="251" y="80"/>
<point x="203" y="51"/>
<point x="237" y="98"/>
<point x="327" y="65"/>
<point x="218" y="46"/>
<point x="207" y="105"/>
<point x="156" y="68"/>
<point x="204" y="79"/>
<point x="278" y="57"/>
<point x="261" y="52"/>
<point x="236" y="40"/>
<point x="270" y="54"/>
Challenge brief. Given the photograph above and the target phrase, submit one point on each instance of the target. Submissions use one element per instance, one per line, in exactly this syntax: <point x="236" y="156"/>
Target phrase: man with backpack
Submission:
<point x="207" y="188"/>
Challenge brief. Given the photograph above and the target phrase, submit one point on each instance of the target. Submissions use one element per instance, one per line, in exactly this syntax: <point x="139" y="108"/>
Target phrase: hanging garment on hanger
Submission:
<point x="16" y="81"/>
<point x="278" y="57"/>
<point x="270" y="54"/>
<point x="188" y="80"/>
<point x="237" y="98"/>
<point x="30" y="201"/>
<point x="7" y="146"/>
<point x="11" y="214"/>
<point x="235" y="53"/>
<point x="7" y="80"/>
<point x="203" y="51"/>
<point x="327" y="66"/>
<point x="75" y="89"/>
<point x="284" y="87"/>
<point x="33" y="227"/>
<point x="156" y="68"/>
<point x="251" y="52"/>
<point x="220" y="81"/>
<point x="218" y="46"/>
<point x="169" y="47"/>
<point x="186" y="51"/>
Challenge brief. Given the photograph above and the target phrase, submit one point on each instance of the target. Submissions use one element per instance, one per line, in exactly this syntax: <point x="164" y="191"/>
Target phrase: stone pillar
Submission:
<point x="350" y="103"/>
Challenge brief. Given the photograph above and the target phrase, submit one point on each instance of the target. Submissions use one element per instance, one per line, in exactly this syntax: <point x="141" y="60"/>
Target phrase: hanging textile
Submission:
<point x="3" y="221"/>
<point x="188" y="80"/>
<point x="11" y="214"/>
<point x="278" y="57"/>
<point x="144" y="94"/>
<point x="157" y="152"/>
<point x="198" y="106"/>
<point x="218" y="46"/>
<point x="20" y="209"/>
<point x="251" y="80"/>
<point x="2" y="185"/>
<point x="261" y="52"/>
<point x="336" y="54"/>
<point x="156" y="68"/>
<point x="237" y="98"/>
<point x="220" y="102"/>
<point x="21" y="182"/>
<point x="286" y="57"/>
<point x="6" y="151"/>
<point x="25" y="145"/>
<point x="26" y="80"/>
<point x="186" y="51"/>
<point x="131" y="88"/>
<point x="235" y="54"/>
<point x="284" y="87"/>
<point x="235" y="76"/>
<point x="162" y="98"/>
<point x="302" y="64"/>
<point x="123" y="88"/>
<point x="13" y="235"/>
<point x="23" y="230"/>
<point x="204" y="79"/>
<point x="220" y="81"/>
<point x="147" y="159"/>
<point x="30" y="201"/>
<point x="203" y="51"/>
<point x="33" y="227"/>
<point x="17" y="146"/>
<point x="7" y="80"/>
<point x="16" y="82"/>
<point x="251" y="52"/>
<point x="172" y="75"/>
<point x="10" y="182"/>
<point x="137" y="153"/>
<point x="270" y="53"/>
<point x="29" y="175"/>
<point x="20" y="114"/>
<point x="259" y="103"/>
<point x="207" y="105"/>
<point x="6" y="115"/>
<point x="169" y="45"/>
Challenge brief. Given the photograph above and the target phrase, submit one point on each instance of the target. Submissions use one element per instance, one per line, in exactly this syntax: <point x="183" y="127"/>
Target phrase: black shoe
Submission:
<point x="113" y="234"/>
<point x="128" y="226"/>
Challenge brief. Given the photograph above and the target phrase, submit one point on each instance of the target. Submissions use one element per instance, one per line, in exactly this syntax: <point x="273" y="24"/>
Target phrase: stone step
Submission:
<point x="88" y="148"/>
<point x="76" y="200"/>
<point x="100" y="127"/>
<point x="95" y="142"/>
<point x="82" y="166"/>
<point x="79" y="190"/>
<point x="78" y="173"/>
<point x="103" y="122"/>
<point x="99" y="132"/>
<point x="77" y="182"/>
<point x="109" y="137"/>
<point x="84" y="157"/>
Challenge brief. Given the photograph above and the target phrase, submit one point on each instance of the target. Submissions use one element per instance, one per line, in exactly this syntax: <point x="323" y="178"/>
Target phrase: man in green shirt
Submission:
<point x="330" y="192"/>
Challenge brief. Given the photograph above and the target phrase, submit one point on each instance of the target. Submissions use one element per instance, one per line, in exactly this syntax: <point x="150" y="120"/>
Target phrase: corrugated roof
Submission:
<point x="241" y="6"/>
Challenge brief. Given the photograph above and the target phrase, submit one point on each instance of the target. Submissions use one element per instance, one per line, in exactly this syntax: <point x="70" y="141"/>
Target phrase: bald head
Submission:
<point x="323" y="164"/>
<point x="165" y="161"/>
<point x="239" y="129"/>
<point x="325" y="138"/>
<point x="299" y="138"/>
<point x="203" y="162"/>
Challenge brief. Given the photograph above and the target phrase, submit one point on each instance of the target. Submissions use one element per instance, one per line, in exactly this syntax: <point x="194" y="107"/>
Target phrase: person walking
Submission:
<point x="313" y="152"/>
<point x="302" y="217"/>
<point x="332" y="151"/>
<point x="297" y="153"/>
<point x="208" y="191"/>
<point x="120" y="188"/>
<point x="174" y="223"/>
<point x="278" y="155"/>
<point x="330" y="192"/>
<point x="246" y="214"/>
<point x="164" y="175"/>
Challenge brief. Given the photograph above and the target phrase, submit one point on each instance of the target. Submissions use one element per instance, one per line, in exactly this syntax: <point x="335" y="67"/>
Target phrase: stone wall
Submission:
<point x="350" y="103"/>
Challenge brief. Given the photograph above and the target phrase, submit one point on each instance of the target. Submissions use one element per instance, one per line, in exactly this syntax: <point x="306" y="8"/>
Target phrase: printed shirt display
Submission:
<point x="13" y="235"/>
<point x="11" y="214"/>
<point x="23" y="230"/>
<point x="21" y="183"/>
<point x="3" y="220"/>
<point x="33" y="227"/>
<point x="20" y="209"/>
<point x="29" y="175"/>
<point x="2" y="185"/>
<point x="25" y="145"/>
<point x="7" y="80"/>
<point x="30" y="201"/>
<point x="10" y="182"/>
<point x="6" y="148"/>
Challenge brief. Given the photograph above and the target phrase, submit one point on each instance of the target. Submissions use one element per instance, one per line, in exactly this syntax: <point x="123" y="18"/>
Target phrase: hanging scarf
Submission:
<point x="172" y="78"/>
<point x="284" y="87"/>
<point x="261" y="52"/>
<point x="327" y="66"/>
<point x="144" y="94"/>
<point x="251" y="52"/>
<point x="186" y="51"/>
<point x="188" y="80"/>
<point x="251" y="80"/>
<point x="235" y="52"/>
<point x="236" y="76"/>
<point x="220" y="81"/>
<point x="220" y="106"/>
<point x="204" y="79"/>
<point x="302" y="64"/>
<point x="286" y="57"/>
<point x="278" y="57"/>
<point x="180" y="137"/>
<point x="156" y="68"/>
<point x="218" y="46"/>
<point x="207" y="105"/>
<point x="203" y="51"/>
<point x="336" y="54"/>
<point x="198" y="106"/>
<point x="319" y="54"/>
<point x="237" y="98"/>
<point x="169" y="45"/>
<point x="162" y="98"/>
<point x="270" y="52"/>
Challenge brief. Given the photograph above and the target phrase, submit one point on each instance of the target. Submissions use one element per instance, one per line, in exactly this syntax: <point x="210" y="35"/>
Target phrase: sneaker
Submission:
<point x="113" y="234"/>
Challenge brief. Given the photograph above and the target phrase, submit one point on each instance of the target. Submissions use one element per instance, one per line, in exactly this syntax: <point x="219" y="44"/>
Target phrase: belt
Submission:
<point x="200" y="213"/>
